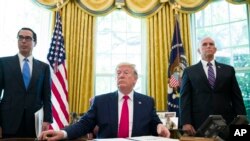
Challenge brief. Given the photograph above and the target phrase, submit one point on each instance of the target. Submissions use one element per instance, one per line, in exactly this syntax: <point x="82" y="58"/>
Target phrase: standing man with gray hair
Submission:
<point x="208" y="88"/>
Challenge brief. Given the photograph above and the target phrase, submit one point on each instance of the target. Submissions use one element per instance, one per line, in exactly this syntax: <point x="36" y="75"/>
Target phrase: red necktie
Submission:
<point x="123" y="130"/>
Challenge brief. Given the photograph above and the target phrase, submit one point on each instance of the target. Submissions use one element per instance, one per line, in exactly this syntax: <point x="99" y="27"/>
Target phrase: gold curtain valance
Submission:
<point x="238" y="1"/>
<point x="140" y="8"/>
<point x="96" y="7"/>
<point x="190" y="6"/>
<point x="51" y="4"/>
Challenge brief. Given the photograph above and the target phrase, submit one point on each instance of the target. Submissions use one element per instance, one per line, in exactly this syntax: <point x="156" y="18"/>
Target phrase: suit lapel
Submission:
<point x="35" y="71"/>
<point x="137" y="112"/>
<point x="17" y="67"/>
<point x="203" y="74"/>
<point x="113" y="107"/>
<point x="219" y="73"/>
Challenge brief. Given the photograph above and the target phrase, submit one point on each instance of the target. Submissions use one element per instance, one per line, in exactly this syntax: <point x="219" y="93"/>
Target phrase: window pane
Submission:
<point x="222" y="16"/>
<point x="242" y="60"/>
<point x="244" y="81"/>
<point x="220" y="34"/>
<point x="23" y="13"/>
<point x="240" y="14"/>
<point x="119" y="39"/>
<point x="240" y="33"/>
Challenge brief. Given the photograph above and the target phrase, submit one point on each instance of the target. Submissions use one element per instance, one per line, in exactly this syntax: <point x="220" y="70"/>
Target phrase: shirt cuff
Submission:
<point x="65" y="135"/>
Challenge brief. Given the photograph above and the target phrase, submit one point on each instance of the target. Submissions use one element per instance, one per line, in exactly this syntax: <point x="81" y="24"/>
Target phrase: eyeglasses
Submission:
<point x="27" y="38"/>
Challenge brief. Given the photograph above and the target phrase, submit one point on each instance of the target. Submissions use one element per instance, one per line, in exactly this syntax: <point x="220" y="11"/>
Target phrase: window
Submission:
<point x="12" y="20"/>
<point x="120" y="38"/>
<point x="228" y="25"/>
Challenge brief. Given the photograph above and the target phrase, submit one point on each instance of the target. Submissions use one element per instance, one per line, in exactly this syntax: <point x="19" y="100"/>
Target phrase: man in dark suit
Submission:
<point x="206" y="91"/>
<point x="106" y="112"/>
<point x="20" y="99"/>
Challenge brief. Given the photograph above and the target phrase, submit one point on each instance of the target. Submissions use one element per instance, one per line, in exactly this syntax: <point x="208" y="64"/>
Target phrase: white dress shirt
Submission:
<point x="205" y="67"/>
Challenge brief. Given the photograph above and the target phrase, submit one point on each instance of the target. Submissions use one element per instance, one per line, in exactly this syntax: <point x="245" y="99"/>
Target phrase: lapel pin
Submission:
<point x="139" y="102"/>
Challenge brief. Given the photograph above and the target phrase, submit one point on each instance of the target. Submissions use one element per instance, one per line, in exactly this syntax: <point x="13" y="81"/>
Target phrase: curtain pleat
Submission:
<point x="160" y="34"/>
<point x="78" y="33"/>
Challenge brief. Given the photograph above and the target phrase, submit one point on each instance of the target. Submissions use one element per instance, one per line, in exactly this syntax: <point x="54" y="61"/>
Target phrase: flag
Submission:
<point x="59" y="88"/>
<point x="177" y="63"/>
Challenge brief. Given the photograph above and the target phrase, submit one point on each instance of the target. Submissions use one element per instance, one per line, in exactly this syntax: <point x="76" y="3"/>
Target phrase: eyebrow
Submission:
<point x="210" y="43"/>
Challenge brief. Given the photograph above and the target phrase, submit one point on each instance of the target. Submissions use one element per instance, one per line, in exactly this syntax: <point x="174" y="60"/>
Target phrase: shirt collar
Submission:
<point x="204" y="63"/>
<point x="21" y="57"/>
<point x="130" y="95"/>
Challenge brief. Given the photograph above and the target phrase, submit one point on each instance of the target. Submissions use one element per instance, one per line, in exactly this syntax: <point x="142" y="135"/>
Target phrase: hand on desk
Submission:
<point x="45" y="126"/>
<point x="1" y="132"/>
<point x="51" y="135"/>
<point x="163" y="131"/>
<point x="189" y="129"/>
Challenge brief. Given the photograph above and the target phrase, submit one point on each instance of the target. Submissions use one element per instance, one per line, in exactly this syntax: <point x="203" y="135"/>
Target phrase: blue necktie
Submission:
<point x="211" y="76"/>
<point x="26" y="73"/>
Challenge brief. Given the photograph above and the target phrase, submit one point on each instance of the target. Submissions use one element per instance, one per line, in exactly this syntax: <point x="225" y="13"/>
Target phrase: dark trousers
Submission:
<point x="26" y="128"/>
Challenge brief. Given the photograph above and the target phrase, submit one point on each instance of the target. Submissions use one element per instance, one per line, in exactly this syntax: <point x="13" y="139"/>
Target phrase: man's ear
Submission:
<point x="34" y="44"/>
<point x="199" y="51"/>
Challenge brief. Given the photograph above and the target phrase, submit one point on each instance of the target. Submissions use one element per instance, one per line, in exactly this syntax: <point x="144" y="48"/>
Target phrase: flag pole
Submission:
<point x="177" y="63"/>
<point x="59" y="2"/>
<point x="177" y="7"/>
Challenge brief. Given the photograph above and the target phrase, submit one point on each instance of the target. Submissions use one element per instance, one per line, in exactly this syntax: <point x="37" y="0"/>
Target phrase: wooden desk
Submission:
<point x="175" y="134"/>
<point x="183" y="138"/>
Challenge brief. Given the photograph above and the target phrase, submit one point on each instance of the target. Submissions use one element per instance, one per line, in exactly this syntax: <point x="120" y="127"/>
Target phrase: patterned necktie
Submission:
<point x="26" y="73"/>
<point x="211" y="76"/>
<point x="123" y="130"/>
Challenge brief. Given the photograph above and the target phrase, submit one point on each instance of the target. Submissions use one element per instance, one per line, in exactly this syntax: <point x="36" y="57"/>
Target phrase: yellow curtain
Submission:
<point x="78" y="27"/>
<point x="78" y="33"/>
<point x="160" y="32"/>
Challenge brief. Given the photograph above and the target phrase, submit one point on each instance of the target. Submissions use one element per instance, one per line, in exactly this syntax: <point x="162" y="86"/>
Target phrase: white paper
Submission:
<point x="38" y="121"/>
<point x="152" y="138"/>
<point x="113" y="139"/>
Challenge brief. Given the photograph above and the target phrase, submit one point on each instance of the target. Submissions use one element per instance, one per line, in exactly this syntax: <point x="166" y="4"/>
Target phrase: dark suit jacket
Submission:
<point x="198" y="100"/>
<point x="104" y="113"/>
<point x="17" y="99"/>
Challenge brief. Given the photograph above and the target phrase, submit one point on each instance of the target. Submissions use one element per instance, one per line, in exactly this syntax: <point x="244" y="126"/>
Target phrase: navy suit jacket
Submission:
<point x="104" y="113"/>
<point x="198" y="100"/>
<point x="17" y="100"/>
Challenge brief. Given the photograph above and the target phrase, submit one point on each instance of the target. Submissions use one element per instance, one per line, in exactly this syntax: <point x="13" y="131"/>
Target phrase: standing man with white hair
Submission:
<point x="208" y="88"/>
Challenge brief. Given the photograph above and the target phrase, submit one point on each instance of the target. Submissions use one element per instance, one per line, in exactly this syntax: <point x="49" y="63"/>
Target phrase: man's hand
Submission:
<point x="1" y="136"/>
<point x="45" y="126"/>
<point x="51" y="135"/>
<point x="163" y="131"/>
<point x="189" y="129"/>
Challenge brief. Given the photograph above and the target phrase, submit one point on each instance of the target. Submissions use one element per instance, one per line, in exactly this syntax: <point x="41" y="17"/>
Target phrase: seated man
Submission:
<point x="123" y="113"/>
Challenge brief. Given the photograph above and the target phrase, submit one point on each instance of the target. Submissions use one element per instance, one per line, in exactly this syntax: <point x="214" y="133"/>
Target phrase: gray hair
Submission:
<point x="132" y="66"/>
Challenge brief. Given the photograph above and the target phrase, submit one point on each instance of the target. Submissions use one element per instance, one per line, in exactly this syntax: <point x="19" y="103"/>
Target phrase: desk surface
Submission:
<point x="32" y="139"/>
<point x="183" y="138"/>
